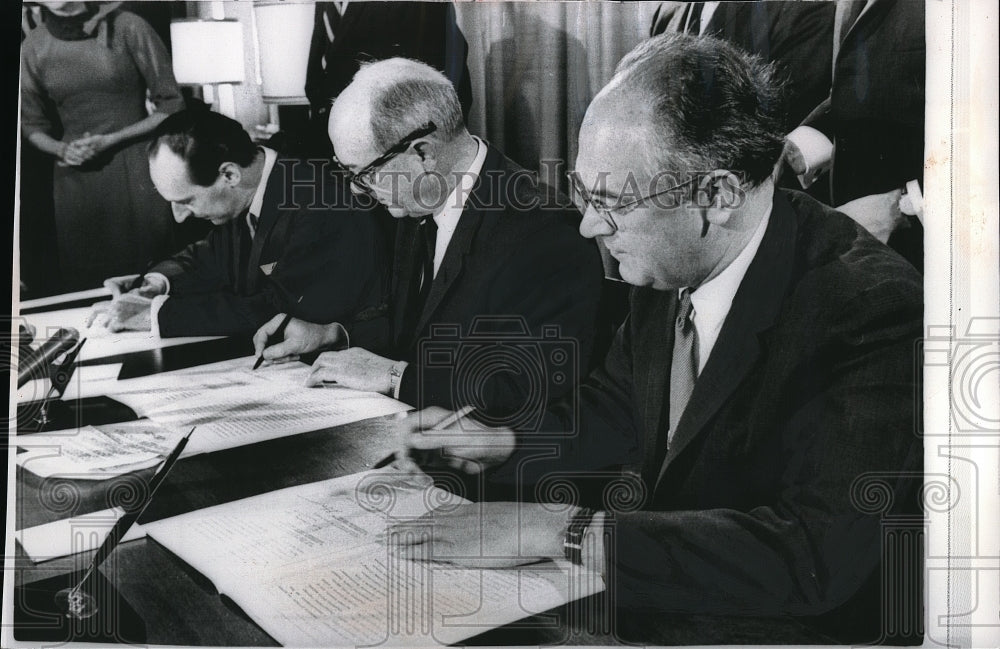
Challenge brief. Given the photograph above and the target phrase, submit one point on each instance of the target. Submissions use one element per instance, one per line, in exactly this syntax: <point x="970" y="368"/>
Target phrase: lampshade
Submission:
<point x="207" y="51"/>
<point x="284" y="31"/>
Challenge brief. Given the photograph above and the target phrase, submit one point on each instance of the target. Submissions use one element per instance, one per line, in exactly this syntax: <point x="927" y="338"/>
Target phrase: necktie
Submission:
<point x="684" y="364"/>
<point x="423" y="277"/>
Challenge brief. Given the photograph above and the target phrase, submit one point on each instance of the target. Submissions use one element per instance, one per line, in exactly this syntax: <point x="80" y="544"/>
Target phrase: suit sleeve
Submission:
<point x="552" y="284"/>
<point x="333" y="261"/>
<point x="810" y="549"/>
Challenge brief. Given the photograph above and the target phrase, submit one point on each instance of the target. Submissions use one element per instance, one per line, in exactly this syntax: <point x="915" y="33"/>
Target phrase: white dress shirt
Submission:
<point x="448" y="215"/>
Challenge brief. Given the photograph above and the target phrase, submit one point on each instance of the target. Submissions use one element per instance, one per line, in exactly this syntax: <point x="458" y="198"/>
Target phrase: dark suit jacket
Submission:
<point x="373" y="31"/>
<point x="805" y="405"/>
<point x="795" y="36"/>
<point x="518" y="287"/>
<point x="875" y="110"/>
<point x="310" y="243"/>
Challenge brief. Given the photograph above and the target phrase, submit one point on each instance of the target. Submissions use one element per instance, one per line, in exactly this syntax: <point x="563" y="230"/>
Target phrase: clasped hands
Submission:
<point x="85" y="148"/>
<point x="129" y="309"/>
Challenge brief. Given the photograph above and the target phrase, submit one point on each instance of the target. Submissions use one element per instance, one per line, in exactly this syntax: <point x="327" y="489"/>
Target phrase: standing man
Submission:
<point x="286" y="239"/>
<point x="761" y="387"/>
<point x="494" y="295"/>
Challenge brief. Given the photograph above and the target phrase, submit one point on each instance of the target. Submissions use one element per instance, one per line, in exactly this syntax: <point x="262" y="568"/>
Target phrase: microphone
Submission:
<point x="37" y="364"/>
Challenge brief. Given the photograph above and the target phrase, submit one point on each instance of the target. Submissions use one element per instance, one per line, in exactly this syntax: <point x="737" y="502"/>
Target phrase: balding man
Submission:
<point x="760" y="389"/>
<point x="494" y="295"/>
<point x="286" y="238"/>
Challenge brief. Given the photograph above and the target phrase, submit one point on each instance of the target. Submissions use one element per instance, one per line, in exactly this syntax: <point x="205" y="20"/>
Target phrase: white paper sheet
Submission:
<point x="96" y="452"/>
<point x="72" y="535"/>
<point x="233" y="405"/>
<point x="307" y="565"/>
<point x="101" y="343"/>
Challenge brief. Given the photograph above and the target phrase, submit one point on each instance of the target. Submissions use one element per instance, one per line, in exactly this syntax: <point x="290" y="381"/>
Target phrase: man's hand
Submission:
<point x="152" y="286"/>
<point x="878" y="213"/>
<point x="300" y="337"/>
<point x="466" y="445"/>
<point x="128" y="312"/>
<point x="354" y="368"/>
<point x="483" y="535"/>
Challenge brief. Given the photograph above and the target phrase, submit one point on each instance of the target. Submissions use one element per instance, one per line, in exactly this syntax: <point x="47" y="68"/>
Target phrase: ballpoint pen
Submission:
<point x="450" y="420"/>
<point x="275" y="336"/>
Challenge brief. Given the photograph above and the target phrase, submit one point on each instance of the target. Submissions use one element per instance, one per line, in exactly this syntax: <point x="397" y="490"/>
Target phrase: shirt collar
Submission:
<point x="270" y="156"/>
<point x="447" y="218"/>
<point x="713" y="299"/>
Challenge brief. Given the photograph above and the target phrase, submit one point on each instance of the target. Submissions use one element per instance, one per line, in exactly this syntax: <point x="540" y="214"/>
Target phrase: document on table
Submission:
<point x="101" y="343"/>
<point x="233" y="406"/>
<point x="308" y="565"/>
<point x="96" y="452"/>
<point x="71" y="535"/>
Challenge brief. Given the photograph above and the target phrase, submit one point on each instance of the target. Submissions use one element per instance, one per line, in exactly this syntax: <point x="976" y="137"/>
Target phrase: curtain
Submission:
<point x="535" y="66"/>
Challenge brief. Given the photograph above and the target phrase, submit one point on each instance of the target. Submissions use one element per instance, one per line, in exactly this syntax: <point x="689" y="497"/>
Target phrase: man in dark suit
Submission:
<point x="869" y="130"/>
<point x="347" y="34"/>
<point x="494" y="295"/>
<point x="286" y="239"/>
<point x="795" y="36"/>
<point x="760" y="388"/>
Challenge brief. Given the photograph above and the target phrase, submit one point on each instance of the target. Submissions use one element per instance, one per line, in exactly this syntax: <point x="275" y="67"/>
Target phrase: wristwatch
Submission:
<point x="573" y="541"/>
<point x="396" y="377"/>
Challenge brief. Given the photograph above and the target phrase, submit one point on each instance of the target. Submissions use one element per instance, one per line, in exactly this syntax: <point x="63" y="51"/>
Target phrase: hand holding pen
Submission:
<point x="453" y="440"/>
<point x="269" y="334"/>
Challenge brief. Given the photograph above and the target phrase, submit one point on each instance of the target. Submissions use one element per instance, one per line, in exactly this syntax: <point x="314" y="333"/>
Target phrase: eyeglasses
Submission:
<point x="583" y="200"/>
<point x="362" y="180"/>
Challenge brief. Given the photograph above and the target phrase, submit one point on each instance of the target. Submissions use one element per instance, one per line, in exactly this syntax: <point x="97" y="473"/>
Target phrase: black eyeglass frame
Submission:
<point x="607" y="213"/>
<point x="360" y="179"/>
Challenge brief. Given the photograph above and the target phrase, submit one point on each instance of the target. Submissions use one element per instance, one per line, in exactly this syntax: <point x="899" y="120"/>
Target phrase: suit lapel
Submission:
<point x="656" y="355"/>
<point x="754" y="309"/>
<point x="465" y="233"/>
<point x="268" y="217"/>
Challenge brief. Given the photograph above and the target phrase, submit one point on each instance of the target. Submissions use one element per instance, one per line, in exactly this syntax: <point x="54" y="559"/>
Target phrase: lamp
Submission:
<point x="284" y="32"/>
<point x="209" y="53"/>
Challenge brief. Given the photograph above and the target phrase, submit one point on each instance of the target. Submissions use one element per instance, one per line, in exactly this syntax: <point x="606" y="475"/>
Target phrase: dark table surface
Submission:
<point x="181" y="607"/>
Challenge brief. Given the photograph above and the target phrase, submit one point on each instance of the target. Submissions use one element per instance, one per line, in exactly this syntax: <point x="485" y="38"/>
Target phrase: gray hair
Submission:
<point x="712" y="105"/>
<point x="405" y="95"/>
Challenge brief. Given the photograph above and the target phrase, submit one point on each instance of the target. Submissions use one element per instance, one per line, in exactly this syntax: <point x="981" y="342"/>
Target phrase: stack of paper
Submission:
<point x="309" y="565"/>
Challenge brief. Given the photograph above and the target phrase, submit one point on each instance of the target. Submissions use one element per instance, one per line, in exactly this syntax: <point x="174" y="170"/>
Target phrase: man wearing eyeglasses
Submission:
<point x="759" y="393"/>
<point x="494" y="294"/>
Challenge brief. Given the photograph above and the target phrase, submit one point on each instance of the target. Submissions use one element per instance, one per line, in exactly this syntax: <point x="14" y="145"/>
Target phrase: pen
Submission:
<point x="131" y="516"/>
<point x="450" y="420"/>
<point x="275" y="336"/>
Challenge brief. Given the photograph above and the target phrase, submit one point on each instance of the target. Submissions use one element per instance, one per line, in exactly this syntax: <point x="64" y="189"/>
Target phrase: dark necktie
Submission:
<point x="422" y="279"/>
<point x="684" y="364"/>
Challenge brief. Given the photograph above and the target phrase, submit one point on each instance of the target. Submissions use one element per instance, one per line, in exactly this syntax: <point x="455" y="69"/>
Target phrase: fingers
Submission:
<point x="322" y="375"/>
<point x="265" y="332"/>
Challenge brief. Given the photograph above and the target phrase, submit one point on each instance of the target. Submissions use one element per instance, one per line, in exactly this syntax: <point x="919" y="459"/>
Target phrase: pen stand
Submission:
<point x="42" y="612"/>
<point x="66" y="415"/>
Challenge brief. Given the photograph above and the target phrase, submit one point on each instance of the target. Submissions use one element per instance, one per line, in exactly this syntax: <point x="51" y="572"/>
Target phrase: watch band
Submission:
<point x="573" y="542"/>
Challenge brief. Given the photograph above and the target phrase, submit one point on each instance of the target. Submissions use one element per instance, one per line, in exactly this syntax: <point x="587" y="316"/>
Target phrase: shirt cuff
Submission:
<point x="154" y="313"/>
<point x="160" y="277"/>
<point x="343" y="338"/>
<point x="816" y="150"/>
<point x="912" y="202"/>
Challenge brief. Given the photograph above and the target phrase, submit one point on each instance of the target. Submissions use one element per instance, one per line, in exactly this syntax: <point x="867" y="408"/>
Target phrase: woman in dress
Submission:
<point x="85" y="73"/>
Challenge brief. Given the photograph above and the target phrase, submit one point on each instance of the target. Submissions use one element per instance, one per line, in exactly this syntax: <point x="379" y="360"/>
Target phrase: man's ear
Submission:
<point x="427" y="152"/>
<point x="230" y="173"/>
<point x="720" y="195"/>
